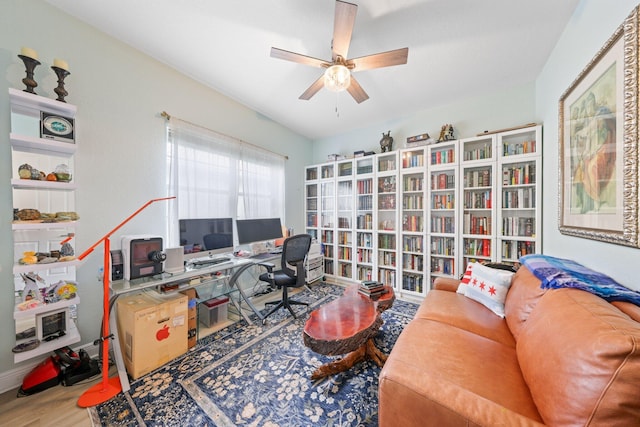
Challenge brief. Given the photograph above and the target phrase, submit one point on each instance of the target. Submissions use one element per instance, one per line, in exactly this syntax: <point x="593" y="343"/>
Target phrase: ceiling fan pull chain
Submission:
<point x="337" y="112"/>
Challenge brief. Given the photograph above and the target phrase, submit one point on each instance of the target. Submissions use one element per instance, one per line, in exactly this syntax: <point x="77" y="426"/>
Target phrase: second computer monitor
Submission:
<point x="258" y="230"/>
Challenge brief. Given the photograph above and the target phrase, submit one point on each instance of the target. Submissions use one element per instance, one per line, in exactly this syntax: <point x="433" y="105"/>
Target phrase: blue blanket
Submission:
<point x="563" y="273"/>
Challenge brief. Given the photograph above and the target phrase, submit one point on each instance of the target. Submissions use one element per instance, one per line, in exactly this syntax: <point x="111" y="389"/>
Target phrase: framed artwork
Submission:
<point x="598" y="146"/>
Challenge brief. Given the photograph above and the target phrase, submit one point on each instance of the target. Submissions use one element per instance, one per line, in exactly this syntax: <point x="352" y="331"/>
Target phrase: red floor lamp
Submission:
<point x="109" y="387"/>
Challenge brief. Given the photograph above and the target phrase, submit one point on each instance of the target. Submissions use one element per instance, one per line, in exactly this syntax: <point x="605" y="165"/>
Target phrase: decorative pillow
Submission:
<point x="489" y="287"/>
<point x="464" y="280"/>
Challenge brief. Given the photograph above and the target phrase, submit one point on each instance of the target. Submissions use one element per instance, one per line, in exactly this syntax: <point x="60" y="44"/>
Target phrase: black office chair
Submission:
<point x="294" y="252"/>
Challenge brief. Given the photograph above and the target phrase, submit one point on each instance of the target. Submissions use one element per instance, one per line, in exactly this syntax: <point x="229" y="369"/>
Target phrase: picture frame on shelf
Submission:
<point x="598" y="144"/>
<point x="57" y="127"/>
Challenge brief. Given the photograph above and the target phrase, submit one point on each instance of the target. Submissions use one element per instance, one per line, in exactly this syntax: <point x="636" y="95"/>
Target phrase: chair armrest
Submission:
<point x="446" y="284"/>
<point x="301" y="274"/>
<point x="268" y="265"/>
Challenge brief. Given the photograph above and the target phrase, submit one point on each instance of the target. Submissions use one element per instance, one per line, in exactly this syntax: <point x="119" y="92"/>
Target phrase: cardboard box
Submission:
<point x="192" y="312"/>
<point x="152" y="328"/>
<point x="213" y="311"/>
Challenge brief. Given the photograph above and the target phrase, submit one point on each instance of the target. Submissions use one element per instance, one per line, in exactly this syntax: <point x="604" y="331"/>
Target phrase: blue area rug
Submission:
<point x="255" y="375"/>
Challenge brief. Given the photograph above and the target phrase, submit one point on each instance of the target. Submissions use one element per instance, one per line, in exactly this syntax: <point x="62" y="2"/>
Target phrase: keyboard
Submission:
<point x="264" y="255"/>
<point x="212" y="261"/>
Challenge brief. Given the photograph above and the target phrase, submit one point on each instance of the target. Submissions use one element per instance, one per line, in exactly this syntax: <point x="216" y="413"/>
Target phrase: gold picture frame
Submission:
<point x="598" y="144"/>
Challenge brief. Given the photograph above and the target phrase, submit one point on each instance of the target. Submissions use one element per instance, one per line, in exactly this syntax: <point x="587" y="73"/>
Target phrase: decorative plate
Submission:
<point x="56" y="127"/>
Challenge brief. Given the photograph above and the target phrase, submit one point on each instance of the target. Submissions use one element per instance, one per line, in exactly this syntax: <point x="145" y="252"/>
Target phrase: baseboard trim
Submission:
<point x="12" y="379"/>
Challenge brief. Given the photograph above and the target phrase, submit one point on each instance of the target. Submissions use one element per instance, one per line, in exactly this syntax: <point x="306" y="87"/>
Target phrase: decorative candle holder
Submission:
<point x="30" y="64"/>
<point x="61" y="73"/>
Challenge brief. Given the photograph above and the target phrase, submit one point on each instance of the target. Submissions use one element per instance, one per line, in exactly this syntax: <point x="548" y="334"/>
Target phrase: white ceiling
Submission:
<point x="457" y="49"/>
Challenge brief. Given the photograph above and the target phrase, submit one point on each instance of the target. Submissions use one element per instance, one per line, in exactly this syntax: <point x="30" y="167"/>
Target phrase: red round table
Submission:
<point x="347" y="326"/>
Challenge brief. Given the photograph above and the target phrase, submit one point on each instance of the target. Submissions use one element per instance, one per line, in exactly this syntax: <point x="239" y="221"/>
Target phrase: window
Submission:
<point x="216" y="176"/>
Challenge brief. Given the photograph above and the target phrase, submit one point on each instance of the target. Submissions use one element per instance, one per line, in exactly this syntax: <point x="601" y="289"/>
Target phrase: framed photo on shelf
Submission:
<point x="598" y="144"/>
<point x="56" y="127"/>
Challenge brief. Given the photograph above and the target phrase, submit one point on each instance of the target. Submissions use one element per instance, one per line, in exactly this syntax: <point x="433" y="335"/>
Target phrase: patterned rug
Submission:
<point x="255" y="375"/>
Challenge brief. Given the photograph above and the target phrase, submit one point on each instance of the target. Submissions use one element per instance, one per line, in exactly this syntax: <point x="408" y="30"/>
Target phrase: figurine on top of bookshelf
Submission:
<point x="446" y="133"/>
<point x="386" y="143"/>
<point x="422" y="139"/>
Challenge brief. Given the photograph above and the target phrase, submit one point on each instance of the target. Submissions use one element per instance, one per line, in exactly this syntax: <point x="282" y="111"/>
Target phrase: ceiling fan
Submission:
<point x="337" y="76"/>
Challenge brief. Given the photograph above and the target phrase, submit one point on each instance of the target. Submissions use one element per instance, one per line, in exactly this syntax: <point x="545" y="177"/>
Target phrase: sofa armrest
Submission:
<point x="446" y="284"/>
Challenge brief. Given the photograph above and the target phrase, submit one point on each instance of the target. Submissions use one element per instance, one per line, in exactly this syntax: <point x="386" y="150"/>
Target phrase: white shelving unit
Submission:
<point x="311" y="201"/>
<point x="328" y="216"/>
<point x="46" y="196"/>
<point x="519" y="196"/>
<point x="413" y="215"/>
<point x="387" y="227"/>
<point x="443" y="195"/>
<point x="366" y="217"/>
<point x="314" y="264"/>
<point x="425" y="212"/>
<point x="477" y="175"/>
<point x="345" y="219"/>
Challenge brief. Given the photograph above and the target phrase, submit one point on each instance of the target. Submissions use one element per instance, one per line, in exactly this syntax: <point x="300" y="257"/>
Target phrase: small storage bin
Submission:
<point x="213" y="311"/>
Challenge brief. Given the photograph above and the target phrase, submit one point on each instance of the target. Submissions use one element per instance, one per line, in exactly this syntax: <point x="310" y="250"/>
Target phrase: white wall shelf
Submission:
<point x="33" y="144"/>
<point x="29" y="101"/>
<point x="44" y="196"/>
<point x="25" y="268"/>
<point x="34" y="184"/>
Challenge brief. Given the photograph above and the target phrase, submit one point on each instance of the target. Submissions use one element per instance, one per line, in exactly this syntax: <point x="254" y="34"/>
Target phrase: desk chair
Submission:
<point x="294" y="252"/>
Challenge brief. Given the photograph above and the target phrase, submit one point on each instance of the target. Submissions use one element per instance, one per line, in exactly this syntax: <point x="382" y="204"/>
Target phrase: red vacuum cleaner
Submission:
<point x="66" y="367"/>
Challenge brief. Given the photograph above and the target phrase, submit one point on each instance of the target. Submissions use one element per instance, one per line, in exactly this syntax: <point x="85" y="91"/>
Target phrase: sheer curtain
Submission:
<point x="202" y="173"/>
<point x="262" y="192"/>
<point x="217" y="176"/>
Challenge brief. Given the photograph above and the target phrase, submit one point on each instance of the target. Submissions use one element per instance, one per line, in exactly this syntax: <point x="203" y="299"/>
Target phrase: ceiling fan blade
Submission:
<point x="356" y="91"/>
<point x="313" y="89"/>
<point x="379" y="60"/>
<point x="296" y="57"/>
<point x="343" y="23"/>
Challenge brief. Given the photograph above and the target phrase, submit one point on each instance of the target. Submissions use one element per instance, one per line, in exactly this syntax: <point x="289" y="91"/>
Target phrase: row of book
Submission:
<point x="443" y="156"/>
<point x="443" y="181"/>
<point x="413" y="160"/>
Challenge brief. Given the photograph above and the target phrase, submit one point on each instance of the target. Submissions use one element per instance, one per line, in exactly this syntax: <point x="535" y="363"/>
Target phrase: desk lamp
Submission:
<point x="109" y="387"/>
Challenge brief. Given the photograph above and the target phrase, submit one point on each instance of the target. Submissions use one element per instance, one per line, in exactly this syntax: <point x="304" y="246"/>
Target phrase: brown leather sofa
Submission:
<point x="560" y="357"/>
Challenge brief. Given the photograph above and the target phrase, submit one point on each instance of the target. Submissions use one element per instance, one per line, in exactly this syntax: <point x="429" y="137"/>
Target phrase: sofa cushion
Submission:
<point x="524" y="294"/>
<point x="432" y="377"/>
<point x="464" y="313"/>
<point x="489" y="287"/>
<point x="631" y="310"/>
<point x="580" y="357"/>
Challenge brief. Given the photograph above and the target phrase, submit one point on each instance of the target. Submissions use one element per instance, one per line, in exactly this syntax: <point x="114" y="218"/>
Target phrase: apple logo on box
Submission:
<point x="163" y="333"/>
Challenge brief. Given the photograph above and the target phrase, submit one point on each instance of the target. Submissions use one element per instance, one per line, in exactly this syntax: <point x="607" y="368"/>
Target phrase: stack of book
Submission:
<point x="372" y="289"/>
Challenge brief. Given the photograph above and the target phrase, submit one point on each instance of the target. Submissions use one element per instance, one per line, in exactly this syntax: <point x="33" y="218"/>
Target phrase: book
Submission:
<point x="371" y="283"/>
<point x="370" y="294"/>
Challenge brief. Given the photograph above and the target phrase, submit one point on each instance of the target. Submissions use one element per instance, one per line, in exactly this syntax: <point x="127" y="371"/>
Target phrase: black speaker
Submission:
<point x="117" y="265"/>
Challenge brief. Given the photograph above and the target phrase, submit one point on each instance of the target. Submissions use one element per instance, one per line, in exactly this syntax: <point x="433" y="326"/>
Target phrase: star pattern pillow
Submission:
<point x="466" y="277"/>
<point x="489" y="287"/>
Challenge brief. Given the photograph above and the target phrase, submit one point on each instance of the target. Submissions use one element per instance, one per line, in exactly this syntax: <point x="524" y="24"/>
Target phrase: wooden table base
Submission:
<point x="367" y="351"/>
<point x="347" y="326"/>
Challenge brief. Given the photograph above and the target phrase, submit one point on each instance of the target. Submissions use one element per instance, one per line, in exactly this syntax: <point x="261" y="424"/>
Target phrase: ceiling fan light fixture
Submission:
<point x="337" y="78"/>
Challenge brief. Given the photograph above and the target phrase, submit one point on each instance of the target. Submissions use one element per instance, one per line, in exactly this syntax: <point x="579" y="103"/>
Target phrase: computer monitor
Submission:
<point x="206" y="237"/>
<point x="258" y="230"/>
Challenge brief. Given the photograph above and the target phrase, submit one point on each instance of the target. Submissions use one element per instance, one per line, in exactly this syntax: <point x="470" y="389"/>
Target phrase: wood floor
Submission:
<point x="53" y="407"/>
